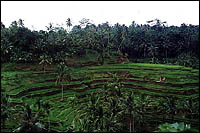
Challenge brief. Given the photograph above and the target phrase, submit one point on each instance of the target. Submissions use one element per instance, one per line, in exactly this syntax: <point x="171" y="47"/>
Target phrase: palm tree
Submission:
<point x="144" y="46"/>
<point x="39" y="47"/>
<point x="50" y="27"/>
<point x="64" y="73"/>
<point x="129" y="104"/>
<point x="45" y="60"/>
<point x="29" y="123"/>
<point x="6" y="49"/>
<point x="47" y="107"/>
<point x="166" y="46"/>
<point x="69" y="24"/>
<point x="38" y="102"/>
<point x="20" y="23"/>
<point x="2" y="26"/>
<point x="153" y="51"/>
<point x="5" y="109"/>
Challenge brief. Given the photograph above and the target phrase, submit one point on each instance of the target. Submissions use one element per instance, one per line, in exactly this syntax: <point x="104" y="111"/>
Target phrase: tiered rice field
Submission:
<point x="180" y="82"/>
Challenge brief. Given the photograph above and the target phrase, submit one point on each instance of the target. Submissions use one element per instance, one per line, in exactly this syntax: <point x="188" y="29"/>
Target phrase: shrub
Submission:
<point x="176" y="127"/>
<point x="188" y="60"/>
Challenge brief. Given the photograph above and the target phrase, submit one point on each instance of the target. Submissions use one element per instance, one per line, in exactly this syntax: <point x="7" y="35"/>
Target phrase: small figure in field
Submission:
<point x="145" y="78"/>
<point x="122" y="59"/>
<point x="161" y="79"/>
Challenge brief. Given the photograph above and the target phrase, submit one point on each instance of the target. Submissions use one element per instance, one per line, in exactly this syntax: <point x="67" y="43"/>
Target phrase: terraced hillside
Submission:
<point x="181" y="83"/>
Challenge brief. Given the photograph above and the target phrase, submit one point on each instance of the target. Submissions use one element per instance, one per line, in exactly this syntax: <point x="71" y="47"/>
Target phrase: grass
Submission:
<point x="16" y="82"/>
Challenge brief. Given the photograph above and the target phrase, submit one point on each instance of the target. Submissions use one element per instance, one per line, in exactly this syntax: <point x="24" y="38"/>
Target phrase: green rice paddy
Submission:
<point x="180" y="82"/>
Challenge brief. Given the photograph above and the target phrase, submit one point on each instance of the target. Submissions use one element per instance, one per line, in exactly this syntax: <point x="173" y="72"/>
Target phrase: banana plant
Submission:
<point x="108" y="112"/>
<point x="176" y="127"/>
<point x="30" y="122"/>
<point x="45" y="60"/>
<point x="47" y="107"/>
<point x="64" y="73"/>
<point x="6" y="109"/>
<point x="171" y="106"/>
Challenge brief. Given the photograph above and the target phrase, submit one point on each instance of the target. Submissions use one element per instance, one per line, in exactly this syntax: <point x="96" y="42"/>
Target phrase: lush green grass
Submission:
<point x="15" y="82"/>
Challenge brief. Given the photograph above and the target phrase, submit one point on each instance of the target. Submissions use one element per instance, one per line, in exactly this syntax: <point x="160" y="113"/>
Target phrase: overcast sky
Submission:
<point x="40" y="13"/>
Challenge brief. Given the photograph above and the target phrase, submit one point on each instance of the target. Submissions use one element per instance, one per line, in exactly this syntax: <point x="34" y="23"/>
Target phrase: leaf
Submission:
<point x="175" y="125"/>
<point x="187" y="126"/>
<point x="173" y="130"/>
<point x="181" y="126"/>
<point x="81" y="121"/>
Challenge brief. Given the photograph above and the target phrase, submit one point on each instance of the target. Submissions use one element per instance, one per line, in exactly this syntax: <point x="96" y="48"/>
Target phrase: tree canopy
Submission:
<point x="153" y="40"/>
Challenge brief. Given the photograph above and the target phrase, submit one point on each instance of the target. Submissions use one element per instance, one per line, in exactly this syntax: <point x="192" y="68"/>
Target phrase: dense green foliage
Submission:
<point x="153" y="40"/>
<point x="43" y="88"/>
<point x="176" y="127"/>
<point x="119" y="97"/>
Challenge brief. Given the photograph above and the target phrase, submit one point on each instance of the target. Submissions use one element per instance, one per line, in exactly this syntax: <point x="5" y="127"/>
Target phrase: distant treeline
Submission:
<point x="153" y="40"/>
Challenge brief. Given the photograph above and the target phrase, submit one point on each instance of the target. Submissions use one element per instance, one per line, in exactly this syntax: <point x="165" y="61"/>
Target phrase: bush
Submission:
<point x="188" y="60"/>
<point x="22" y="57"/>
<point x="176" y="127"/>
<point x="8" y="67"/>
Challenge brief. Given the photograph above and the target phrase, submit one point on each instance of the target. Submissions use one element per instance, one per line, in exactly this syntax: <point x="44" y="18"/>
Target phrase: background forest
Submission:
<point x="155" y="41"/>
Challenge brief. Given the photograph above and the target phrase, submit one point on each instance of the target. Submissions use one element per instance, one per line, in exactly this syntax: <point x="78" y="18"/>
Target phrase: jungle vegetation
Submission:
<point x="153" y="85"/>
<point x="154" y="40"/>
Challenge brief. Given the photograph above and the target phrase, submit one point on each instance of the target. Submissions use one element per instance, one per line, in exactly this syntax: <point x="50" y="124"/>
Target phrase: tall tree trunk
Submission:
<point x="166" y="56"/>
<point x="152" y="60"/>
<point x="62" y="91"/>
<point x="133" y="124"/>
<point x="130" y="126"/>
<point x="101" y="58"/>
<point x="49" y="123"/>
<point x="3" y="123"/>
<point x="44" y="68"/>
